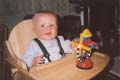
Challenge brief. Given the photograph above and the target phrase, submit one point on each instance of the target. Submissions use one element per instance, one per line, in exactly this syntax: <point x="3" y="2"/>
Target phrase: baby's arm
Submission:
<point x="30" y="54"/>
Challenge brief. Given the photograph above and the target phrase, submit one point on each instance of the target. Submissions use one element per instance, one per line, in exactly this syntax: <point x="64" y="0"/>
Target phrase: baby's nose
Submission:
<point x="48" y="28"/>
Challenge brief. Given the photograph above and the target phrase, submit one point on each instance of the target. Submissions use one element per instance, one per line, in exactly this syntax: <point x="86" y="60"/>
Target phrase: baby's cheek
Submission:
<point x="54" y="33"/>
<point x="40" y="33"/>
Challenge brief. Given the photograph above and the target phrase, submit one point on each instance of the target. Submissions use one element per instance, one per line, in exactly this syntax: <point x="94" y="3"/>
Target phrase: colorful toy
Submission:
<point x="84" y="50"/>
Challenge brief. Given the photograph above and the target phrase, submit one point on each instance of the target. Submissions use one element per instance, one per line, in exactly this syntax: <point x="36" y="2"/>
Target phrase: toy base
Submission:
<point x="86" y="64"/>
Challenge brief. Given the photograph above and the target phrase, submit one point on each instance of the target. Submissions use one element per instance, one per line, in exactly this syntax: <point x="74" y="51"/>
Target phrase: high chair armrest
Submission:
<point x="12" y="58"/>
<point x="18" y="68"/>
<point x="16" y="63"/>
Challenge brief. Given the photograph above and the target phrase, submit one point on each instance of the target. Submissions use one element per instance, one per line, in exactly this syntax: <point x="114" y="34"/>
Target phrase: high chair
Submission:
<point x="63" y="69"/>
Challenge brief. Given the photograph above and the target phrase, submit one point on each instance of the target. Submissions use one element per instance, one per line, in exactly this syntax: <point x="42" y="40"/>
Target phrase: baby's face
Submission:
<point x="46" y="27"/>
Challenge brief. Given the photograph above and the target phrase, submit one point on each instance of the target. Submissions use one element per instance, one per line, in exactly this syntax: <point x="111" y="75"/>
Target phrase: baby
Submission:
<point x="47" y="46"/>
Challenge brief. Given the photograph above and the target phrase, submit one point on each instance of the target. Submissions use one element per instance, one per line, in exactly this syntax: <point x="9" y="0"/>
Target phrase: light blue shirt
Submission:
<point x="51" y="46"/>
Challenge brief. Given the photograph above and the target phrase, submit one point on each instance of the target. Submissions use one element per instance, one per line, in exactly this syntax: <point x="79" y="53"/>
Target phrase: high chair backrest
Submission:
<point x="20" y="37"/>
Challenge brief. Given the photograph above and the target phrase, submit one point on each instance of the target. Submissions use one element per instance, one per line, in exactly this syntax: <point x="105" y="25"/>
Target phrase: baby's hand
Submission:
<point x="38" y="60"/>
<point x="73" y="47"/>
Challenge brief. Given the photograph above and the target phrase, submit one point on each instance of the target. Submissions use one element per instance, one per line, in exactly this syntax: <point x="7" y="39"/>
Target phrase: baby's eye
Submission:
<point x="52" y="25"/>
<point x="42" y="25"/>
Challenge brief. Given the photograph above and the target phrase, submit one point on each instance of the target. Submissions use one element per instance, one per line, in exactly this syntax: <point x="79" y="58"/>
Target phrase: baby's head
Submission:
<point x="45" y="25"/>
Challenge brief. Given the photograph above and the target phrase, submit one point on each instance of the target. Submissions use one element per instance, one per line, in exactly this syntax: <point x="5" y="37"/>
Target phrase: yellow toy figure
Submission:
<point x="84" y="50"/>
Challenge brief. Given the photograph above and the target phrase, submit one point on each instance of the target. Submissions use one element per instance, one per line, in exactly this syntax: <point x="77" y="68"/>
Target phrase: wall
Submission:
<point x="13" y="11"/>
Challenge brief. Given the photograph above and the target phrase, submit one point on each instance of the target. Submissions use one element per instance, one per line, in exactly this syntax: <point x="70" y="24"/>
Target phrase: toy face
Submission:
<point x="46" y="27"/>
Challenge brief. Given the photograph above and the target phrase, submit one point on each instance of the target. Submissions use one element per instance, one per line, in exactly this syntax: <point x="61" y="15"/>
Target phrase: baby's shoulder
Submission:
<point x="60" y="37"/>
<point x="33" y="43"/>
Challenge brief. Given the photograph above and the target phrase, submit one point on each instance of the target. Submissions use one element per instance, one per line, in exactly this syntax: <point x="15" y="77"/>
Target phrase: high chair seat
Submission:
<point x="20" y="37"/>
<point x="18" y="40"/>
<point x="63" y="69"/>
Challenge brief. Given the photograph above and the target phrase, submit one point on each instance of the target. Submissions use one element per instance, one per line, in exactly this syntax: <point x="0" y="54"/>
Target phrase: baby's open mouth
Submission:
<point x="49" y="33"/>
